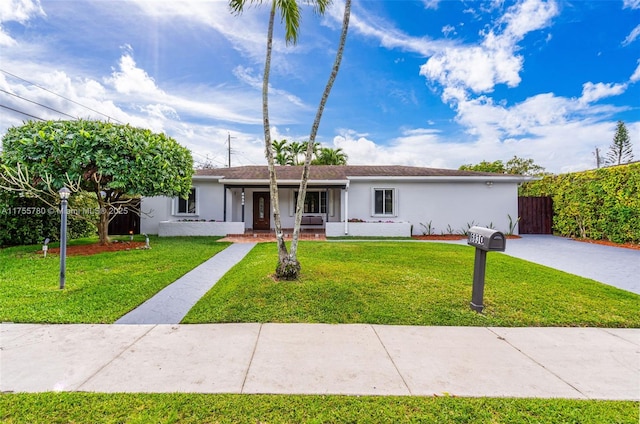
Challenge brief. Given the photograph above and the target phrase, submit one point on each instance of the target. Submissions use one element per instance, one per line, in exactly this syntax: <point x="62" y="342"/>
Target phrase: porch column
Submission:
<point x="224" y="203"/>
<point x="346" y="210"/>
<point x="242" y="197"/>
<point x="326" y="212"/>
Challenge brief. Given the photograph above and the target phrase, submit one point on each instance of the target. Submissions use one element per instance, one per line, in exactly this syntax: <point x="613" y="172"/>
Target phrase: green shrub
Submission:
<point x="602" y="204"/>
<point x="26" y="221"/>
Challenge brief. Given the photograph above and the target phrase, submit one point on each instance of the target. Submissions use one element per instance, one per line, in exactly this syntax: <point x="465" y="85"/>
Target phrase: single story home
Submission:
<point x="340" y="200"/>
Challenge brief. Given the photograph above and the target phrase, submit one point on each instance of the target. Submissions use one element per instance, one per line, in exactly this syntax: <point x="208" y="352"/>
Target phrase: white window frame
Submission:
<point x="394" y="202"/>
<point x="176" y="203"/>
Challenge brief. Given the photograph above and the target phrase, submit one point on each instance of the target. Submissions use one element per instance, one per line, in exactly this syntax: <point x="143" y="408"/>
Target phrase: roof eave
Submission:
<point x="248" y="181"/>
<point x="447" y="178"/>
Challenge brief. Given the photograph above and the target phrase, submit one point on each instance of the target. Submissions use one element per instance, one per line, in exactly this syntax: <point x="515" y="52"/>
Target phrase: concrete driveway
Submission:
<point x="616" y="266"/>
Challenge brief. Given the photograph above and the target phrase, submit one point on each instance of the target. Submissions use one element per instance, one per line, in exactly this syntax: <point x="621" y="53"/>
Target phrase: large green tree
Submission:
<point x="515" y="165"/>
<point x="114" y="162"/>
<point x="288" y="267"/>
<point x="620" y="150"/>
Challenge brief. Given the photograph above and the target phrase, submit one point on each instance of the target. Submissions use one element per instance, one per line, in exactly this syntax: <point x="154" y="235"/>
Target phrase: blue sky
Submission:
<point x="425" y="83"/>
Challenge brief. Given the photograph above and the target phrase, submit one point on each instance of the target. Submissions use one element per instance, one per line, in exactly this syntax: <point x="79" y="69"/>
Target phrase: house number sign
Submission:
<point x="476" y="238"/>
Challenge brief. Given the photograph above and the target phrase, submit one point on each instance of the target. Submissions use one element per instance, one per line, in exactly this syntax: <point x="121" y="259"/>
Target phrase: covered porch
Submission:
<point x="250" y="204"/>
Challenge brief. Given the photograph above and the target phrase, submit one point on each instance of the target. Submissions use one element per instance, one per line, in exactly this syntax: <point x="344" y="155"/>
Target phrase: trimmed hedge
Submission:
<point x="25" y="221"/>
<point x="601" y="204"/>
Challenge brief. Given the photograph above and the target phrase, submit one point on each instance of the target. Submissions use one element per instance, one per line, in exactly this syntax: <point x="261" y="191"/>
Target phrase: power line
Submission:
<point x="59" y="95"/>
<point x="39" y="104"/>
<point x="23" y="113"/>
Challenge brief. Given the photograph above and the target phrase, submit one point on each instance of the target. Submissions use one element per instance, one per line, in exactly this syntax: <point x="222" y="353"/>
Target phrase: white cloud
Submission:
<point x="20" y="11"/>
<point x="389" y="37"/>
<point x="479" y="68"/>
<point x="246" y="75"/>
<point x="633" y="35"/>
<point x="593" y="92"/>
<point x="527" y="16"/>
<point x="132" y="80"/>
<point x="549" y="146"/>
<point x="430" y="4"/>
<point x="631" y="4"/>
<point x="636" y="74"/>
<point x="545" y="127"/>
<point x="247" y="32"/>
<point x="448" y="29"/>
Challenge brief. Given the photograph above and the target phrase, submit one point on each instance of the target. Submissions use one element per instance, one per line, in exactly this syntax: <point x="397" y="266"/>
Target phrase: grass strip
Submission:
<point x="202" y="408"/>
<point x="409" y="284"/>
<point x="99" y="288"/>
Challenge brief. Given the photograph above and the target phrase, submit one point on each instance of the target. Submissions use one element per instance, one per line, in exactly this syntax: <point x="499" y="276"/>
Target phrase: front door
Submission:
<point x="261" y="211"/>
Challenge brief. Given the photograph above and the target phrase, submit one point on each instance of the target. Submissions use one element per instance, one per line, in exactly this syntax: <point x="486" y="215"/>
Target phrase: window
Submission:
<point x="186" y="206"/>
<point x="314" y="202"/>
<point x="383" y="201"/>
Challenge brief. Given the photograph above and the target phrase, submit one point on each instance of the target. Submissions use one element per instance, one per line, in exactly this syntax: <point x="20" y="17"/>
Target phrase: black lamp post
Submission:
<point x="64" y="197"/>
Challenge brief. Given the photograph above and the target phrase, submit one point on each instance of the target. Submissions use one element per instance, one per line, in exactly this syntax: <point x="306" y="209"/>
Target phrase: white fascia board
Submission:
<point x="282" y="182"/>
<point x="451" y="179"/>
<point x="206" y="177"/>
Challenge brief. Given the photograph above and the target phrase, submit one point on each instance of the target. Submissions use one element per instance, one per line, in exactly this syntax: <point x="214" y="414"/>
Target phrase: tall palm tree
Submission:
<point x="290" y="13"/>
<point x="295" y="150"/>
<point x="280" y="151"/>
<point x="314" y="131"/>
<point x="288" y="266"/>
<point x="329" y="156"/>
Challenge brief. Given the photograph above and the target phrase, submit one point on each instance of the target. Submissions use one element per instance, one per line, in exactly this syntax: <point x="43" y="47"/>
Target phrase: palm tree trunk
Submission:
<point x="283" y="255"/>
<point x="314" y="130"/>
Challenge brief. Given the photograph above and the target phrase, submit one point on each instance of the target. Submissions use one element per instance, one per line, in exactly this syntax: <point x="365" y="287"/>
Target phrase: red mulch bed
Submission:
<point x="116" y="246"/>
<point x="460" y="237"/>
<point x="92" y="249"/>
<point x="449" y="237"/>
<point x="610" y="243"/>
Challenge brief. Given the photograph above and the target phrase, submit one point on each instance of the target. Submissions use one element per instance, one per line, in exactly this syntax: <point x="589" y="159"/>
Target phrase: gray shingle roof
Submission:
<point x="336" y="172"/>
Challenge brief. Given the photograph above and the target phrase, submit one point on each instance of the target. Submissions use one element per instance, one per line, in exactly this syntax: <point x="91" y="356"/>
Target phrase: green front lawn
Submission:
<point x="198" y="408"/>
<point x="99" y="288"/>
<point x="409" y="284"/>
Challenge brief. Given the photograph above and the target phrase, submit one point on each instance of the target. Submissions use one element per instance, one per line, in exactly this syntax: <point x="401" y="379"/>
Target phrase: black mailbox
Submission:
<point x="486" y="239"/>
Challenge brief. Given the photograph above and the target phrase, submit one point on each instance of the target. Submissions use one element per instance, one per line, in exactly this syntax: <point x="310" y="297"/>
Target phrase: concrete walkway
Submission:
<point x="172" y="303"/>
<point x="355" y="359"/>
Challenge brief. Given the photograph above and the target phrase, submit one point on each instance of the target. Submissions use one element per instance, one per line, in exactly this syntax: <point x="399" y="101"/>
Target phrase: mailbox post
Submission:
<point x="484" y="240"/>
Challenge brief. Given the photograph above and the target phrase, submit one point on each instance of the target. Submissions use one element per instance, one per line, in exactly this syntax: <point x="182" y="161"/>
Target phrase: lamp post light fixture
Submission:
<point x="64" y="197"/>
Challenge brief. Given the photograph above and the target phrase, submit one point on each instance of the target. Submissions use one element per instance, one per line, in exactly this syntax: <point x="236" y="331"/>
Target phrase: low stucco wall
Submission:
<point x="177" y="228"/>
<point x="369" y="229"/>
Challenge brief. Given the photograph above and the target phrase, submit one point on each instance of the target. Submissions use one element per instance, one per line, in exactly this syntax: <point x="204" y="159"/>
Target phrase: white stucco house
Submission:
<point x="341" y="200"/>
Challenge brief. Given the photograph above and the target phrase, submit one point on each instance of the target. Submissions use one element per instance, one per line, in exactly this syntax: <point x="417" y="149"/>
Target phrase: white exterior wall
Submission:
<point x="443" y="203"/>
<point x="209" y="206"/>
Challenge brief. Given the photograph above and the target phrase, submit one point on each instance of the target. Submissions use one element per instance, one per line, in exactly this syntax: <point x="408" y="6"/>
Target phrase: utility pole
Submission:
<point x="229" y="145"/>
<point x="598" y="159"/>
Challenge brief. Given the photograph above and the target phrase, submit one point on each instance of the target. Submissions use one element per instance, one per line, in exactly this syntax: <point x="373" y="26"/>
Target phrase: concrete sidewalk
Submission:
<point x="355" y="359"/>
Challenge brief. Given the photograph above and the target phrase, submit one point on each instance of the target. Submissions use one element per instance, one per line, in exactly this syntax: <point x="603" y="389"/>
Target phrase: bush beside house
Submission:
<point x="29" y="221"/>
<point x="601" y="204"/>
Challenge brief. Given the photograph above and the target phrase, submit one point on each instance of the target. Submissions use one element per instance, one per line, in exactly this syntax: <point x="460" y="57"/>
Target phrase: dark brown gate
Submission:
<point x="536" y="215"/>
<point x="127" y="221"/>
